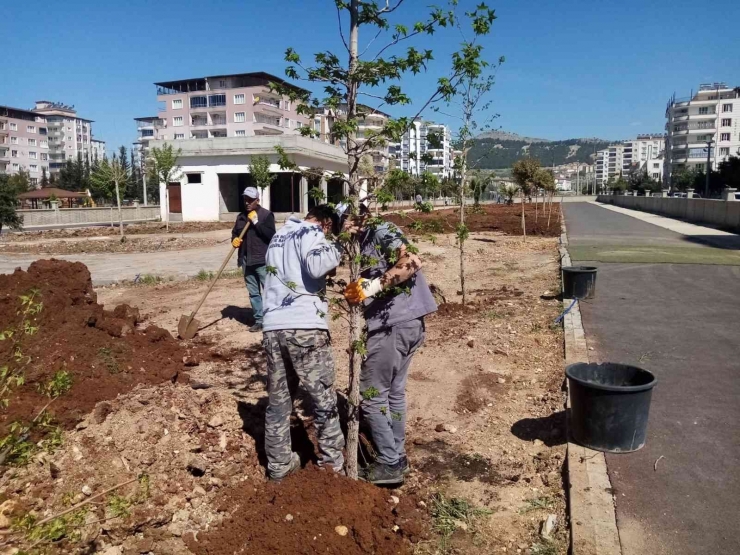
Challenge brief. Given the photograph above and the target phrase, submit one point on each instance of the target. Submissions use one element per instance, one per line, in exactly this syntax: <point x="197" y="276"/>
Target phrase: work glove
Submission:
<point x="253" y="217"/>
<point x="236" y="242"/>
<point x="359" y="290"/>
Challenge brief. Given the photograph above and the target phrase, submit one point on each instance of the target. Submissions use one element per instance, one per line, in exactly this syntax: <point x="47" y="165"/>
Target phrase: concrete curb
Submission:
<point x="591" y="510"/>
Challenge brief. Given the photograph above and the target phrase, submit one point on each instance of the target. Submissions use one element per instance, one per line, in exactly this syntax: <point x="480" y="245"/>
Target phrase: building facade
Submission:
<point x="239" y="105"/>
<point x="97" y="149"/>
<point x="638" y="152"/>
<point x="68" y="134"/>
<point x="24" y="143"/>
<point x="415" y="144"/>
<point x="609" y="164"/>
<point x="705" y="124"/>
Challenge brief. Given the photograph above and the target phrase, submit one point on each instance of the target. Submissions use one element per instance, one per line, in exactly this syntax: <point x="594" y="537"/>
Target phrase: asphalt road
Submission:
<point x="681" y="322"/>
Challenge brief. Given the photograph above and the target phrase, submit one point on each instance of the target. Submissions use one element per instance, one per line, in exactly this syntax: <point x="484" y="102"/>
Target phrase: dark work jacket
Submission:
<point x="254" y="247"/>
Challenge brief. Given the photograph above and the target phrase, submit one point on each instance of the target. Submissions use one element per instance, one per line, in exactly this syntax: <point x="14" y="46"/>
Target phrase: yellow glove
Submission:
<point x="253" y="217"/>
<point x="359" y="290"/>
<point x="236" y="242"/>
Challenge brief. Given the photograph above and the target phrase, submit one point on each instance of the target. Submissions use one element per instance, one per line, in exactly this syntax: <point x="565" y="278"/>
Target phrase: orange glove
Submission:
<point x="359" y="290"/>
<point x="236" y="242"/>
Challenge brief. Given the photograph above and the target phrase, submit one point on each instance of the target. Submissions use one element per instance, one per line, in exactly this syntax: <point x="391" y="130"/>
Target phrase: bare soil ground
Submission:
<point x="486" y="434"/>
<point x="486" y="217"/>
<point x="150" y="228"/>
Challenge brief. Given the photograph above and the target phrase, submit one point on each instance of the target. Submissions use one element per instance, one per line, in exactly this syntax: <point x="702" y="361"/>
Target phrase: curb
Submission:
<point x="591" y="509"/>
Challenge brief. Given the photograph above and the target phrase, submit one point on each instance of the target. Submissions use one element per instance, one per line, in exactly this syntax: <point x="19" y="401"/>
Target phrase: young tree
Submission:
<point x="525" y="173"/>
<point x="9" y="216"/>
<point x="44" y="178"/>
<point x="729" y="172"/>
<point x="373" y="72"/>
<point x="20" y="182"/>
<point x="259" y="169"/>
<point x="162" y="167"/>
<point x="112" y="175"/>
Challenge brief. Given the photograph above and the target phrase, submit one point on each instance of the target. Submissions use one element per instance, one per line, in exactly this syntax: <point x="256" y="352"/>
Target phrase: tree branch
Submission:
<point x="341" y="31"/>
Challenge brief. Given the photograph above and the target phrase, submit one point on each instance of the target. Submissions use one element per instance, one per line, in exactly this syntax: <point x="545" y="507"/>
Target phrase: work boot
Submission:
<point x="295" y="466"/>
<point x="381" y="474"/>
<point x="256" y="327"/>
<point x="403" y="462"/>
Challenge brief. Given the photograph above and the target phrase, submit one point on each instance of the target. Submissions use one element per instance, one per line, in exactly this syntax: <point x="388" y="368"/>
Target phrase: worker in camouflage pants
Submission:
<point x="296" y="338"/>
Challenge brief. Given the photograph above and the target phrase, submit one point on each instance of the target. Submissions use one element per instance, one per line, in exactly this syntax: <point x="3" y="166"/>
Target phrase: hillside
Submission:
<point x="495" y="152"/>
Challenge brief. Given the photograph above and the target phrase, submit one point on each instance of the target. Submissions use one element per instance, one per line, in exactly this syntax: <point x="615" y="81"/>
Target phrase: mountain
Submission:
<point x="500" y="149"/>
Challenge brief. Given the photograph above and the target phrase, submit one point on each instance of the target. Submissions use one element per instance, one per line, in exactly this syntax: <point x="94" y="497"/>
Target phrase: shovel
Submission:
<point x="188" y="325"/>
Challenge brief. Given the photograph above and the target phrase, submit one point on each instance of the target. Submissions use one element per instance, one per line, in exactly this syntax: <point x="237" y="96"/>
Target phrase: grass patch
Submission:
<point x="538" y="503"/>
<point x="208" y="275"/>
<point x="149" y="279"/>
<point x="544" y="548"/>
<point x="109" y="360"/>
<point x="493" y="315"/>
<point x="451" y="513"/>
<point x="119" y="506"/>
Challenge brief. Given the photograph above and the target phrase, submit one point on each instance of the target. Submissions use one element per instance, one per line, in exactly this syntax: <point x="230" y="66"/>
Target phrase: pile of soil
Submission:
<point x="103" y="351"/>
<point x="142" y="243"/>
<point x="487" y="217"/>
<point x="302" y="513"/>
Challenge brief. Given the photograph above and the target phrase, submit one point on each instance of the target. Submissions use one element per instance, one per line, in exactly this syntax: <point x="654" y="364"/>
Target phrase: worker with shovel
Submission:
<point x="296" y="338"/>
<point x="395" y="298"/>
<point x="253" y="247"/>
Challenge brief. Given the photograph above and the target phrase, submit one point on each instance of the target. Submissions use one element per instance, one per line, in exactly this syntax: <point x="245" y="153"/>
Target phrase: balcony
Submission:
<point x="709" y="115"/>
<point x="199" y="122"/>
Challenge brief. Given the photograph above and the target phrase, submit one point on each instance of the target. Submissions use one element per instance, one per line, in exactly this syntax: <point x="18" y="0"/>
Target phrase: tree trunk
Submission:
<point x="524" y="222"/>
<point x="353" y="393"/>
<point x="120" y="213"/>
<point x="549" y="212"/>
<point x="460" y="238"/>
<point x="536" y="203"/>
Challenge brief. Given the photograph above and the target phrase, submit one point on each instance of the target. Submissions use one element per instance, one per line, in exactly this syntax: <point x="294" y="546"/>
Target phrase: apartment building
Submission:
<point x="239" y="105"/>
<point x="147" y="129"/>
<point x="705" y="123"/>
<point x="24" y="142"/>
<point x="638" y="152"/>
<point x="609" y="163"/>
<point x="415" y="144"/>
<point x="97" y="149"/>
<point x="68" y="134"/>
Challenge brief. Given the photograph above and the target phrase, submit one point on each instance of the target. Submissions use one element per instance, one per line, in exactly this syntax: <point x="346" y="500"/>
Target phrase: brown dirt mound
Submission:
<point x="318" y="503"/>
<point x="488" y="217"/>
<point x="103" y="351"/>
<point x="134" y="229"/>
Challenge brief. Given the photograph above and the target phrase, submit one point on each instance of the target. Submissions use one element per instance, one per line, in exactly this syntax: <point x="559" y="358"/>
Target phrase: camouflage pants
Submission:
<point x="307" y="355"/>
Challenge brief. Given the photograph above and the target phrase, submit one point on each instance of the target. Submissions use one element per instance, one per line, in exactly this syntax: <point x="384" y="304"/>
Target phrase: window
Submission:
<point x="34" y="167"/>
<point x="724" y="151"/>
<point x="240" y="133"/>
<point x="34" y="180"/>
<point x="2" y="125"/>
<point x="287" y="105"/>
<point x="317" y="125"/>
<point x="216" y="100"/>
<point x="194" y="178"/>
<point x="704" y="110"/>
<point x="177" y="104"/>
<point x="14" y="140"/>
<point x="16" y="166"/>
<point x="179" y="136"/>
<point x="42" y="131"/>
<point x="33" y="156"/>
<point x="14" y="127"/>
<point x="198" y="102"/>
<point x="177" y="121"/>
<point x="727" y="122"/>
<point x="286" y="122"/>
<point x="726" y="108"/>
<point x="14" y="154"/>
<point x="222" y="83"/>
<point x="31" y="128"/>
<point x="724" y="137"/>
<point x="44" y="156"/>
<point x="44" y="143"/>
<point x="703" y="138"/>
<point x="31" y="142"/>
<point x="240" y="117"/>
<point x="656" y="166"/>
<point x="238" y="99"/>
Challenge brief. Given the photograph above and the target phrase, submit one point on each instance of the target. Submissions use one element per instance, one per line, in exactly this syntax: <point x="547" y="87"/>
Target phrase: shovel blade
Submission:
<point x="187" y="327"/>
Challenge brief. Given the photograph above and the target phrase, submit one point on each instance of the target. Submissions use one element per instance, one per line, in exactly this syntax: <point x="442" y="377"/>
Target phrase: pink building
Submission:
<point x="24" y="142"/>
<point x="240" y="105"/>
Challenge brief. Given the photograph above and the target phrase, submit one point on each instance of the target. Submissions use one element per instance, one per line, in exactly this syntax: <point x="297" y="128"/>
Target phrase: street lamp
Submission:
<point x="710" y="142"/>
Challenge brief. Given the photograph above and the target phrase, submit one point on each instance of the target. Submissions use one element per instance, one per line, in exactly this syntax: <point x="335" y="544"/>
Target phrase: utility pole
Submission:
<point x="710" y="142"/>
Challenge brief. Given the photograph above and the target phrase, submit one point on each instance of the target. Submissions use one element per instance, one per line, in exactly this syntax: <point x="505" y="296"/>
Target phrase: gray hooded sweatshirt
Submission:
<point x="302" y="257"/>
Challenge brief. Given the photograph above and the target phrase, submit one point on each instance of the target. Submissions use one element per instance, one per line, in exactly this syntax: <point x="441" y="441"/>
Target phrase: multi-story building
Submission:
<point x="24" y="143"/>
<point x="147" y="129"/>
<point x="640" y="151"/>
<point x="68" y="134"/>
<point x="239" y="105"/>
<point x="97" y="149"/>
<point x="415" y="144"/>
<point x="707" y="123"/>
<point x="609" y="163"/>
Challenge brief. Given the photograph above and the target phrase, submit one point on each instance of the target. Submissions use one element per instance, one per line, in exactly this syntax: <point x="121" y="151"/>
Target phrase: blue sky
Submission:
<point x="573" y="68"/>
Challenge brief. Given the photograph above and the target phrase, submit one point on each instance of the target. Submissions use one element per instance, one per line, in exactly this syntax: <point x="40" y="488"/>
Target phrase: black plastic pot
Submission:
<point x="579" y="282"/>
<point x="609" y="405"/>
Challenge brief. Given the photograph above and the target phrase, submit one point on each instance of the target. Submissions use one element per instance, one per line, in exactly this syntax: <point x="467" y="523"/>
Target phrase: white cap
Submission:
<point x="251" y="192"/>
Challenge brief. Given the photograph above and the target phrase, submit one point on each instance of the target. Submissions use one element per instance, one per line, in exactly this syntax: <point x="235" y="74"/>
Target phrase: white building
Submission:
<point x="609" y="164"/>
<point x="215" y="172"/>
<point x="97" y="149"/>
<point x="705" y="123"/>
<point x="68" y="134"/>
<point x="415" y="144"/>
<point x="640" y="151"/>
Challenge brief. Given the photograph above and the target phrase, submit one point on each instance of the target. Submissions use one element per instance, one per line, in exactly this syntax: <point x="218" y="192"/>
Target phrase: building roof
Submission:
<point x="147" y="118"/>
<point x="4" y="110"/>
<point x="48" y="192"/>
<point x="254" y="74"/>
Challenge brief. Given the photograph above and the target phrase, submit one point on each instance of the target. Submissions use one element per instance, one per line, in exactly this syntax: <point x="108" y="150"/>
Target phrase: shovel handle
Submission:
<point x="218" y="275"/>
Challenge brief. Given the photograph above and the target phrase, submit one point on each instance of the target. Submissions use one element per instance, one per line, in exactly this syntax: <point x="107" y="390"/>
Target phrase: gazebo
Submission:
<point x="47" y="194"/>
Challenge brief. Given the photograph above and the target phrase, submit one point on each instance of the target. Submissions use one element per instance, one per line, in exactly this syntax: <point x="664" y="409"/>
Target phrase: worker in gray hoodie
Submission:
<point x="296" y="338"/>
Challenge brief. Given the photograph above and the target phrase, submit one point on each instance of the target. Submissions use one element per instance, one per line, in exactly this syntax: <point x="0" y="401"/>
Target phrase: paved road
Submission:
<point x="679" y="321"/>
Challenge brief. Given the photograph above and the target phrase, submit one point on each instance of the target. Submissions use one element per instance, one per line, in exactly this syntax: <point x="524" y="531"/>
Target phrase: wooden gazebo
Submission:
<point x="51" y="192"/>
